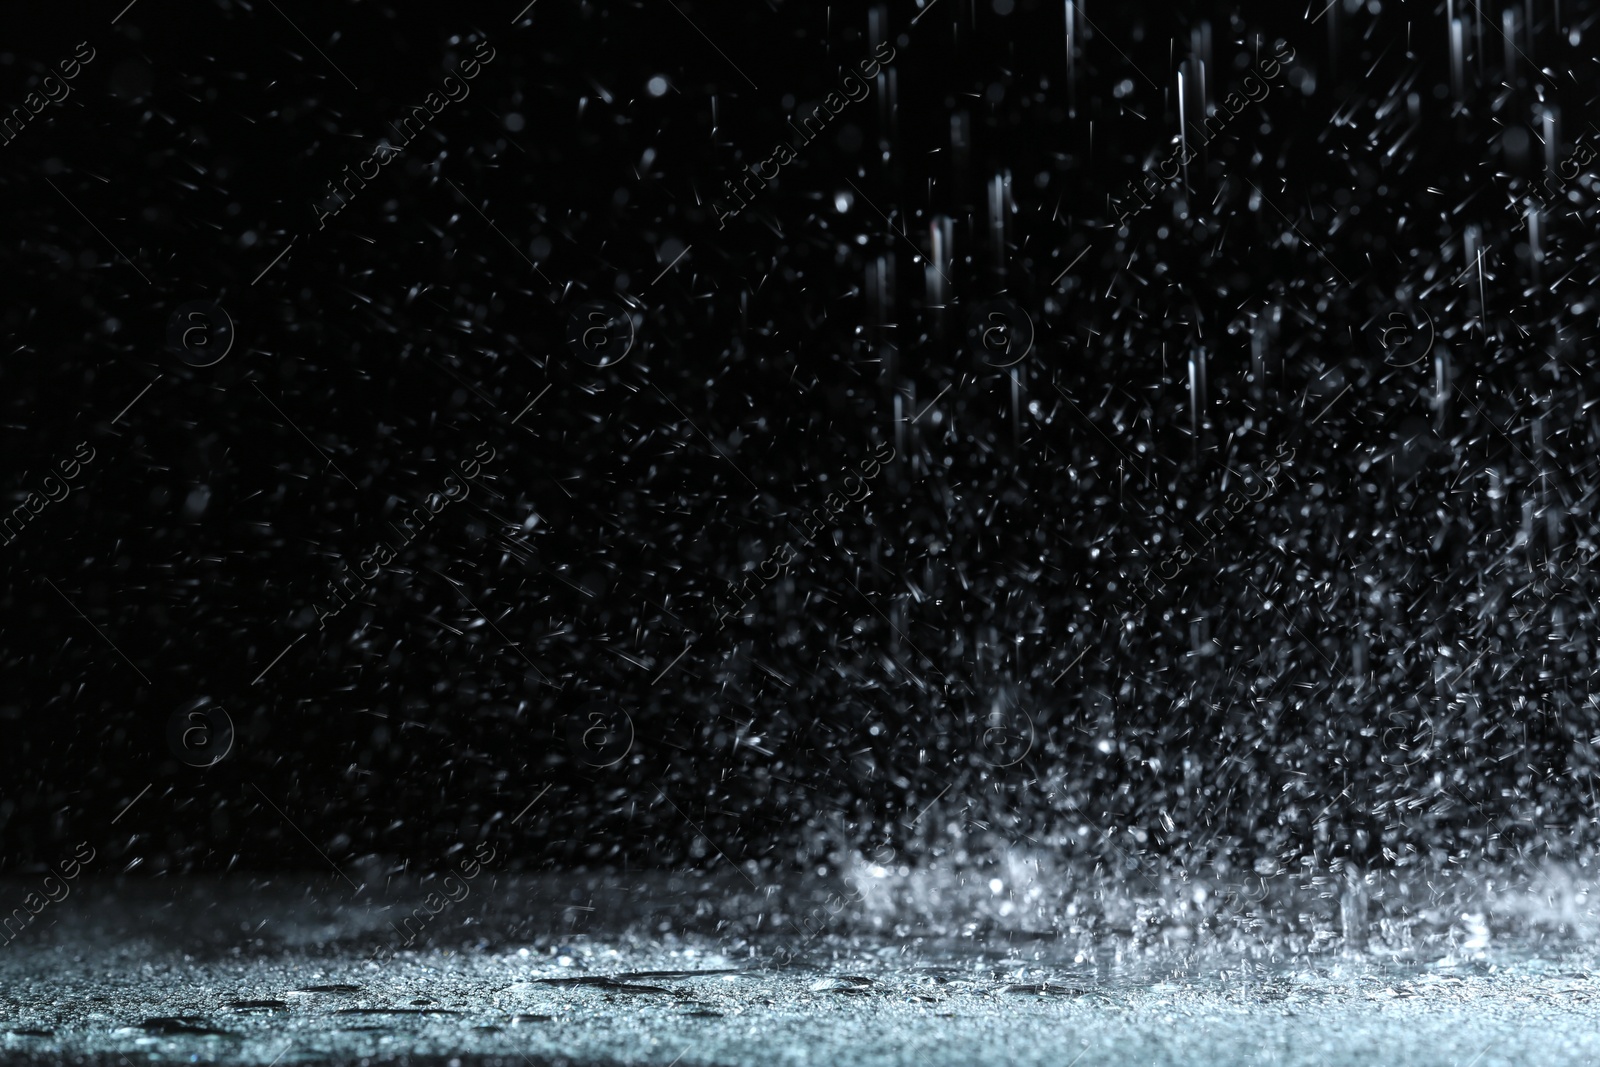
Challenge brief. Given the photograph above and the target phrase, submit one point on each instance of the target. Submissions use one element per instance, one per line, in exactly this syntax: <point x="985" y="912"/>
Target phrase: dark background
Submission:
<point x="1386" y="659"/>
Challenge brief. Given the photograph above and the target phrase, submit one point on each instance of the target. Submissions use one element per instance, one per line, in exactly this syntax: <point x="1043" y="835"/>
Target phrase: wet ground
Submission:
<point x="639" y="973"/>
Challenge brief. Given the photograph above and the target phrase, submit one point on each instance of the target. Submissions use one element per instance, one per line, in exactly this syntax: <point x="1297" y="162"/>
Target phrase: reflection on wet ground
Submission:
<point x="264" y="974"/>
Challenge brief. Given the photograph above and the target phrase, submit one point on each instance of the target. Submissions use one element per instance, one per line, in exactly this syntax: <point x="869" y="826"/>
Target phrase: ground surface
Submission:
<point x="201" y="973"/>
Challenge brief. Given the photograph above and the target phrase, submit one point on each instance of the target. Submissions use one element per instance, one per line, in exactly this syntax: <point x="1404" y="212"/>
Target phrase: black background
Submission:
<point x="1388" y="657"/>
